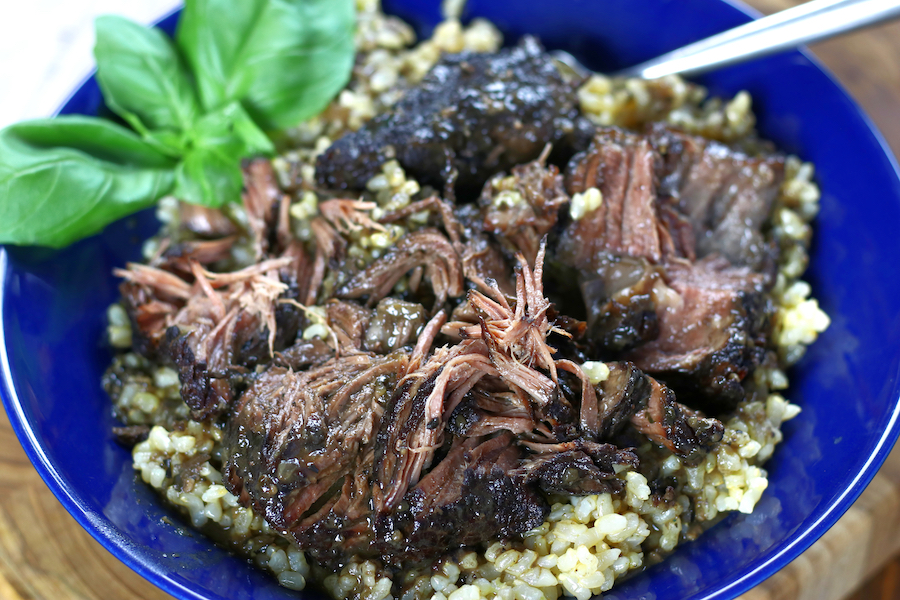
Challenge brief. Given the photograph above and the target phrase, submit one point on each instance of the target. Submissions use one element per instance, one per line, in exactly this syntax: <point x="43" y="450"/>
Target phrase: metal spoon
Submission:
<point x="812" y="21"/>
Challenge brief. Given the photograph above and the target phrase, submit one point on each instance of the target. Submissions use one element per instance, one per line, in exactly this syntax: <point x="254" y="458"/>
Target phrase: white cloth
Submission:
<point x="46" y="49"/>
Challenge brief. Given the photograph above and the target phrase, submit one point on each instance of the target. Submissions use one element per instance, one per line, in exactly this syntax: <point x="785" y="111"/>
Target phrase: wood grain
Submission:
<point x="44" y="553"/>
<point x="867" y="63"/>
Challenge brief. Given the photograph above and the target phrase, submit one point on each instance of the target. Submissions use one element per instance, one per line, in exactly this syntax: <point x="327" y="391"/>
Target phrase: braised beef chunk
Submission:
<point x="213" y="324"/>
<point x="178" y="257"/>
<point x="150" y="296"/>
<point x="254" y="347"/>
<point x="399" y="403"/>
<point x="713" y="321"/>
<point x="726" y="195"/>
<point x="579" y="467"/>
<point x="628" y="397"/>
<point x="473" y="495"/>
<point x="309" y="451"/>
<point x="614" y="247"/>
<point x="522" y="208"/>
<point x="697" y="325"/>
<point x="189" y="472"/>
<point x="261" y="197"/>
<point x="623" y="167"/>
<point x="294" y="436"/>
<point x="473" y="113"/>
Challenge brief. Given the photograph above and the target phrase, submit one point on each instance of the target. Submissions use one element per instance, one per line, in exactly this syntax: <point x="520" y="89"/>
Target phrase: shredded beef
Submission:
<point x="405" y="402"/>
<point x="391" y="455"/>
<point x="522" y="208"/>
<point x="426" y="249"/>
<point x="725" y="195"/>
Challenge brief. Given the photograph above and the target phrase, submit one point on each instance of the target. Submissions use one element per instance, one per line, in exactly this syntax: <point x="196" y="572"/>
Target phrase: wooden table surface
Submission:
<point x="45" y="555"/>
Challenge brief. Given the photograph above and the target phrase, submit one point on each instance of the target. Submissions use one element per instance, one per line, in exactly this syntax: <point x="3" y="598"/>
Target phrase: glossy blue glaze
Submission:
<point x="53" y="304"/>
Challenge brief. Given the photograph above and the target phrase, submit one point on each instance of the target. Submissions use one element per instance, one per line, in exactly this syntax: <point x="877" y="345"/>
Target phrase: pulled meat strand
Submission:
<point x="177" y="257"/>
<point x="161" y="282"/>
<point x="589" y="416"/>
<point x="349" y="216"/>
<point x="518" y="338"/>
<point x="428" y="249"/>
<point x="261" y="193"/>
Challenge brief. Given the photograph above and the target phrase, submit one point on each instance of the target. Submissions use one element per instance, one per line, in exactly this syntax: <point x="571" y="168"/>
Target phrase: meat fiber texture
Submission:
<point x="675" y="273"/>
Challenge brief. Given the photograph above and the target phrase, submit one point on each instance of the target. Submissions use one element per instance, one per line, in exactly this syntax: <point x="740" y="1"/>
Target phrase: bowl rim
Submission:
<point x="842" y="503"/>
<point x="119" y="546"/>
<point x="91" y="521"/>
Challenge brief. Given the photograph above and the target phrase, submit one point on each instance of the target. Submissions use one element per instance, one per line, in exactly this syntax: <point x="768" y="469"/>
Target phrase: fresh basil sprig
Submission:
<point x="283" y="60"/>
<point x="198" y="105"/>
<point x="66" y="178"/>
<point x="143" y="77"/>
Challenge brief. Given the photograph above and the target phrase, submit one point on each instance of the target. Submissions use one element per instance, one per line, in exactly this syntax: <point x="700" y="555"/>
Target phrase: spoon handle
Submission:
<point x="809" y="22"/>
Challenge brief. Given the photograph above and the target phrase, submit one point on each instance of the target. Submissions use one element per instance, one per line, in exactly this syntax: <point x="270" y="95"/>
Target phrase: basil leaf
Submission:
<point x="210" y="175"/>
<point x="284" y="60"/>
<point x="142" y="77"/>
<point x="232" y="122"/>
<point x="99" y="138"/>
<point x="66" y="178"/>
<point x="168" y="142"/>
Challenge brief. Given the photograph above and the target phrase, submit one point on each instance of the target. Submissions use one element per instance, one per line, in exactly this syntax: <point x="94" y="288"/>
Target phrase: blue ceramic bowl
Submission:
<point x="52" y="352"/>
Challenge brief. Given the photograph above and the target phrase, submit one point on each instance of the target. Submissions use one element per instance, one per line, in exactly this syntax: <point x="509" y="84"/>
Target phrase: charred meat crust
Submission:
<point x="577" y="467"/>
<point x="628" y="398"/>
<point x="208" y="395"/>
<point x="713" y="323"/>
<point x="473" y="495"/>
<point x="475" y="114"/>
